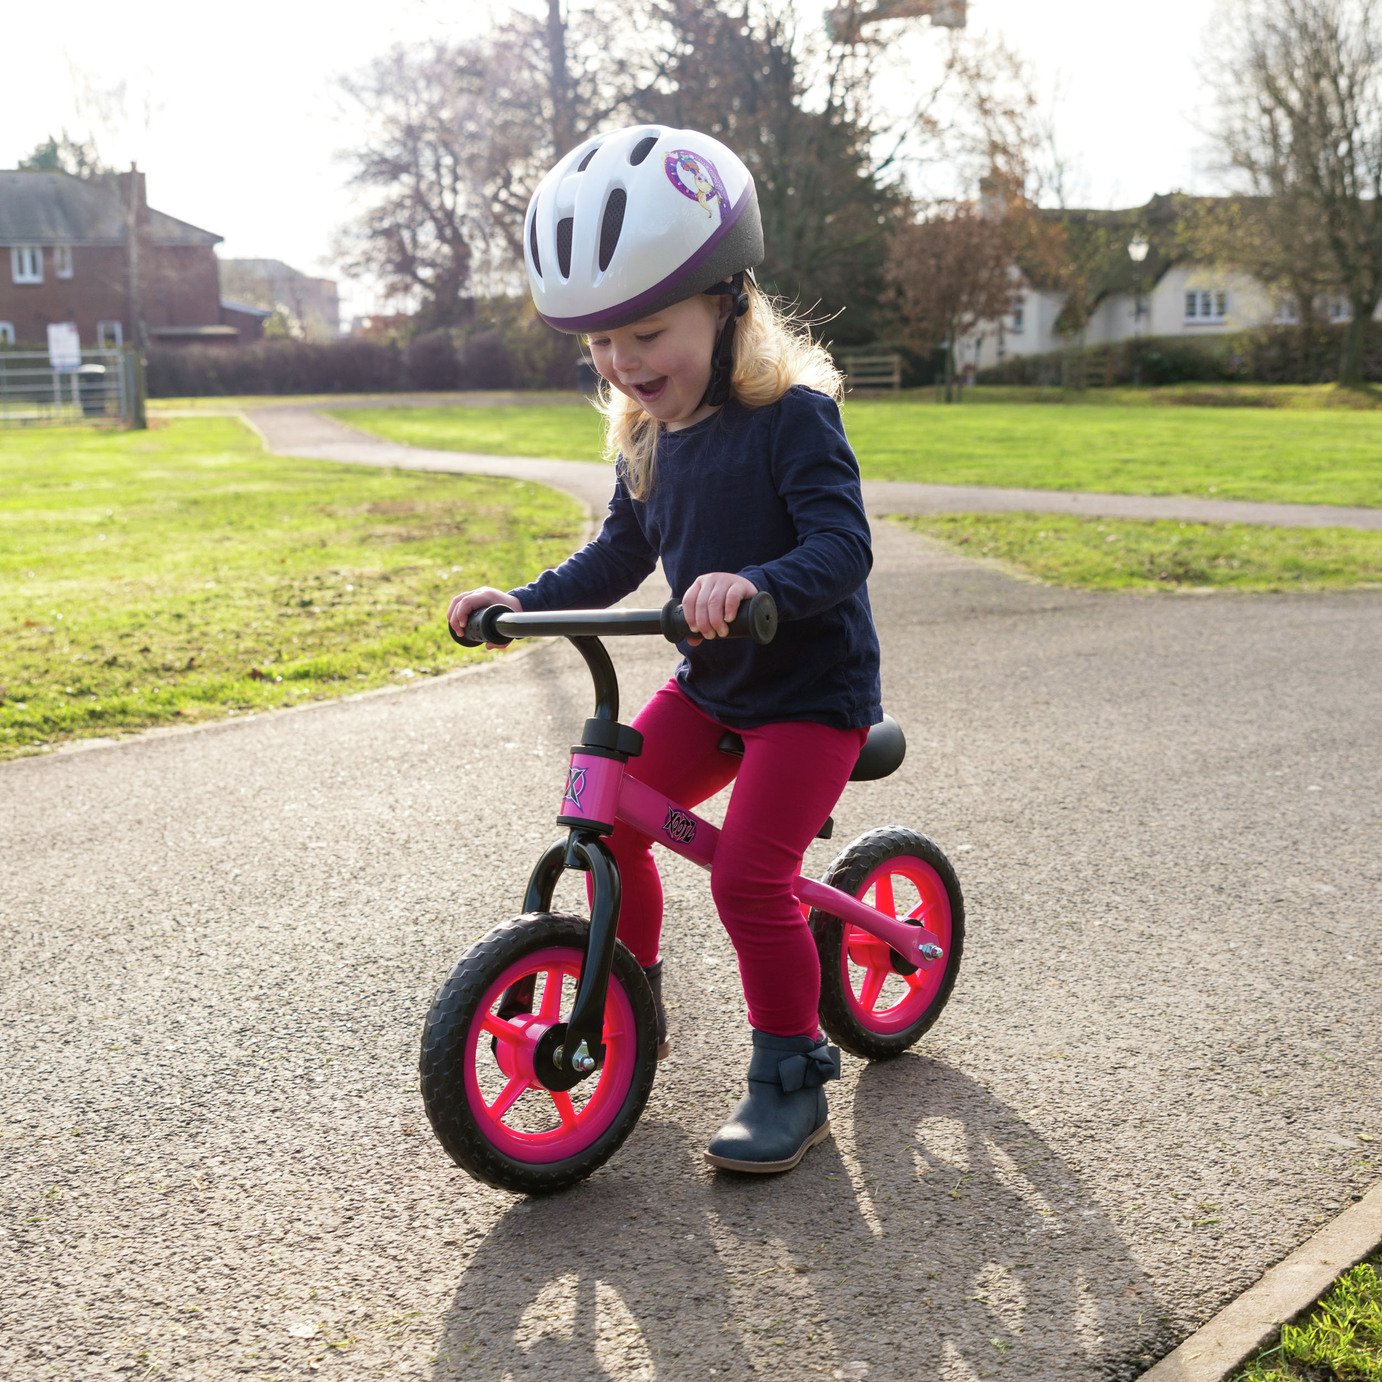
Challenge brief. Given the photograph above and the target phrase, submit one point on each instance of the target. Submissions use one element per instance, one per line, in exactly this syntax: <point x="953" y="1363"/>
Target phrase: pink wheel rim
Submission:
<point x="519" y="1115"/>
<point x="879" y="997"/>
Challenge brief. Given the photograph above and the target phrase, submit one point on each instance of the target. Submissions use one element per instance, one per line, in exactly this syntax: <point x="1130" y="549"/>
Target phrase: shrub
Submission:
<point x="507" y="347"/>
<point x="429" y="361"/>
<point x="485" y="362"/>
<point x="1264" y="355"/>
<point x="273" y="367"/>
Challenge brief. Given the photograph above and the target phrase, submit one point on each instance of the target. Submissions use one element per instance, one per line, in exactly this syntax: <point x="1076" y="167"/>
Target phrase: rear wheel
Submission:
<point x="499" y="1105"/>
<point x="873" y="1002"/>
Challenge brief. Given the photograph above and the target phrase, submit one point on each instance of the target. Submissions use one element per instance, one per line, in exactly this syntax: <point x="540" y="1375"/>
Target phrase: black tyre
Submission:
<point x="873" y="1002"/>
<point x="490" y="1109"/>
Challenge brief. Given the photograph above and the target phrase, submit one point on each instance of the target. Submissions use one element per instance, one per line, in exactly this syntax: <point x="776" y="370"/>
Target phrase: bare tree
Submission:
<point x="1299" y="118"/>
<point x="459" y="134"/>
<point x="448" y="139"/>
<point x="950" y="271"/>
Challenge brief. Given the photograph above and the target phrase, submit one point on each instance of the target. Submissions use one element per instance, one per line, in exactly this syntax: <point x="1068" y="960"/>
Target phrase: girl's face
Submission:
<point x="663" y="361"/>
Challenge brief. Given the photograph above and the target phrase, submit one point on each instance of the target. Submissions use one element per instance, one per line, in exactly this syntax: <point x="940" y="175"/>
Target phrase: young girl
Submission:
<point x="732" y="467"/>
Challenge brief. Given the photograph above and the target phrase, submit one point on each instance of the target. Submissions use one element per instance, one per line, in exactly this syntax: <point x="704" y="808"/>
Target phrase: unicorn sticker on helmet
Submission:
<point x="604" y="243"/>
<point x="698" y="178"/>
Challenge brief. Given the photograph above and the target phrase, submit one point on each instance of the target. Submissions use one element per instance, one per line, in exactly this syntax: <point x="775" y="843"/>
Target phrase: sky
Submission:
<point x="238" y="121"/>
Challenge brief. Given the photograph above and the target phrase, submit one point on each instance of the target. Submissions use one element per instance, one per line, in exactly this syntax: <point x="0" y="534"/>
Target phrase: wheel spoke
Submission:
<point x="566" y="1110"/>
<point x="874" y="978"/>
<point x="501" y="1028"/>
<point x="509" y="1096"/>
<point x="551" y="996"/>
<point x="883" y="895"/>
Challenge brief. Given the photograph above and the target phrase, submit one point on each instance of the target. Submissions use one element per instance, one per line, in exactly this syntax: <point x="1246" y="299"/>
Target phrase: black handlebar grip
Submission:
<point x="757" y="619"/>
<point x="479" y="628"/>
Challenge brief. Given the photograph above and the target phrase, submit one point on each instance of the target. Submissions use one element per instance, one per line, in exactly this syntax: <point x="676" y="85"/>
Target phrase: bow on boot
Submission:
<point x="784" y="1113"/>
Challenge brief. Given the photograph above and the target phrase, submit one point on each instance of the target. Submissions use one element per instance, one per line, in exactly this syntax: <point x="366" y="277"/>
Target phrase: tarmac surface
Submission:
<point x="1156" y="1078"/>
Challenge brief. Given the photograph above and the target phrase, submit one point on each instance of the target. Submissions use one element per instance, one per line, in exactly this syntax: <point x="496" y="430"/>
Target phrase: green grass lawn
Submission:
<point x="1103" y="554"/>
<point x="567" y="430"/>
<point x="181" y="573"/>
<point x="1338" y="1340"/>
<point x="1320" y="456"/>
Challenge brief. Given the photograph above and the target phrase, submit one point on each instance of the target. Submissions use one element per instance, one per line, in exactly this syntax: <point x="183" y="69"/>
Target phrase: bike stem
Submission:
<point x="585" y="850"/>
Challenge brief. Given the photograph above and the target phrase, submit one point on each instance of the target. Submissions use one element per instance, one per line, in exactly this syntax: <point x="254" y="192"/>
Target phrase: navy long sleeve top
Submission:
<point x="772" y="494"/>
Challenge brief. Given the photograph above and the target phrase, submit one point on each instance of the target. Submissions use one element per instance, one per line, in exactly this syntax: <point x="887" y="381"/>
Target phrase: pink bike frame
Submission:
<point x="599" y="790"/>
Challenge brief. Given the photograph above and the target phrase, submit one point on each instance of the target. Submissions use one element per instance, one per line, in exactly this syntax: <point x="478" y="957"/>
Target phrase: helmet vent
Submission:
<point x="611" y="225"/>
<point x="532" y="246"/>
<point x="564" y="229"/>
<point x="581" y="166"/>
<point x="642" y="149"/>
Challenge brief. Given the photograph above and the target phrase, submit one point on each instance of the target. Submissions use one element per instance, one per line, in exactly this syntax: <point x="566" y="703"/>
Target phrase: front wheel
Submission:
<point x="486" y="1068"/>
<point x="873" y="1002"/>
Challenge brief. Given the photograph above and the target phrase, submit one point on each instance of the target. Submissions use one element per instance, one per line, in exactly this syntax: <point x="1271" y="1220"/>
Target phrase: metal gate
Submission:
<point x="100" y="389"/>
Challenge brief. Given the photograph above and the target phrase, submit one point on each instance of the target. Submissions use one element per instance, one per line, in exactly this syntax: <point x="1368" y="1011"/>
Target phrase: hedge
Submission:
<point x="1265" y="355"/>
<point x="522" y="356"/>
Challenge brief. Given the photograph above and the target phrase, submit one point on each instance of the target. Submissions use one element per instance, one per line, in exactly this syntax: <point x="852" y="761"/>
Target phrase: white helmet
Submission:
<point x="630" y="222"/>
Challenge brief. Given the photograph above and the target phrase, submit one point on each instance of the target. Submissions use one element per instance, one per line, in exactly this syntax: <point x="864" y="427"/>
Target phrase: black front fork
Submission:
<point x="586" y="851"/>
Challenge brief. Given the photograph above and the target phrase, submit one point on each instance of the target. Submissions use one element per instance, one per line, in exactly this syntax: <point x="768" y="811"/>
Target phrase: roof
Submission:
<point x="1100" y="240"/>
<point x="194" y="333"/>
<point x="245" y="308"/>
<point x="49" y="208"/>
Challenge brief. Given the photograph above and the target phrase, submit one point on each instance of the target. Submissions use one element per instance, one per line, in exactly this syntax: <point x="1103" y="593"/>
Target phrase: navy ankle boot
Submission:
<point x="784" y="1113"/>
<point x="653" y="974"/>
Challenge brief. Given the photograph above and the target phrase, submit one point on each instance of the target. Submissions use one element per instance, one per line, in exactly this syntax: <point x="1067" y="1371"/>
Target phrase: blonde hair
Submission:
<point x="773" y="351"/>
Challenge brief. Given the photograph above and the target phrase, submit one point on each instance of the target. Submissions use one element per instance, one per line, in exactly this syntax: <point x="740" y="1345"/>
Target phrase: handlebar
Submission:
<point x="757" y="619"/>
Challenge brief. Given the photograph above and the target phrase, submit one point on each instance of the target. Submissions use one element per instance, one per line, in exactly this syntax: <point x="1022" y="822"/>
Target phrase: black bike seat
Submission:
<point x="883" y="750"/>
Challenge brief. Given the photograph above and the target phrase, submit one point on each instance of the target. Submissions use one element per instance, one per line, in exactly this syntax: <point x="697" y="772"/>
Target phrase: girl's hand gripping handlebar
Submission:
<point x="757" y="619"/>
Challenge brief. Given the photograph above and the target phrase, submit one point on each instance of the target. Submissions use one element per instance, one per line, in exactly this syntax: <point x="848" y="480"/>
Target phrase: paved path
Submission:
<point x="300" y="431"/>
<point x="1154" y="1080"/>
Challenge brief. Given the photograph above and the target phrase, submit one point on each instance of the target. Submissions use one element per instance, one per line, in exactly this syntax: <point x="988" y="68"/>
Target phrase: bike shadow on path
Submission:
<point x="949" y="1245"/>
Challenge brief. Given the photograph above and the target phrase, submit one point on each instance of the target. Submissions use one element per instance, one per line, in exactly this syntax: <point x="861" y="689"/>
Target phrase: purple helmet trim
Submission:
<point x="592" y="321"/>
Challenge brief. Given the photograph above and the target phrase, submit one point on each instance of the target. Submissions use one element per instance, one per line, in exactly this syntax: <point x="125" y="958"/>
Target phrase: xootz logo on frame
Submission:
<point x="697" y="178"/>
<point x="679" y="826"/>
<point x="575" y="786"/>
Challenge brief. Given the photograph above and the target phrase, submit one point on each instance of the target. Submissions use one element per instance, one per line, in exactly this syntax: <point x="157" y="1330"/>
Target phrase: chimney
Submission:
<point x="133" y="193"/>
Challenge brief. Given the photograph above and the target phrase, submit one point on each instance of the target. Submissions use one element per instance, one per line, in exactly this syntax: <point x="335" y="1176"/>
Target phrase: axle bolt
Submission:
<point x="931" y="951"/>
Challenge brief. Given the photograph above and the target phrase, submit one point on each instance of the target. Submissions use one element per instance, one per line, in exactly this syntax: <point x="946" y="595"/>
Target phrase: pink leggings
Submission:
<point x="788" y="782"/>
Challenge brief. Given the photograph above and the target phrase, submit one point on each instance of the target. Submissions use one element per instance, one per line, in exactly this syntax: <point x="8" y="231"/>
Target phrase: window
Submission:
<point x="1338" y="309"/>
<point x="1286" y="314"/>
<point x="1204" y="305"/>
<point x="62" y="261"/>
<point x="1019" y="315"/>
<point x="26" y="263"/>
<point x="6" y="333"/>
<point x="109" y="334"/>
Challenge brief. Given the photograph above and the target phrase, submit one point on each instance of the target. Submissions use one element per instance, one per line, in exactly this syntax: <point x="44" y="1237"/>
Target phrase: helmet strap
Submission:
<point x="717" y="392"/>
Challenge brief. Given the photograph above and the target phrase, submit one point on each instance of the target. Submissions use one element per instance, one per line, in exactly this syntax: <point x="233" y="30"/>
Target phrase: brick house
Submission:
<point x="64" y="256"/>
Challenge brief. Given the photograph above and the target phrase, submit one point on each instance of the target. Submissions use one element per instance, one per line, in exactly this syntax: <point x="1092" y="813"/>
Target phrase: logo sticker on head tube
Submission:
<point x="575" y="786"/>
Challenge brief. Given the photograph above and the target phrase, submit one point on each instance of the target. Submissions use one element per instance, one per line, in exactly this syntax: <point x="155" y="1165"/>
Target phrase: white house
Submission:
<point x="1150" y="287"/>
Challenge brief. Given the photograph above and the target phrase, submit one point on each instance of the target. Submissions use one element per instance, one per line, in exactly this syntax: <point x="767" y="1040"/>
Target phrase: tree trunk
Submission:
<point x="1355" y="343"/>
<point x="561" y="81"/>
